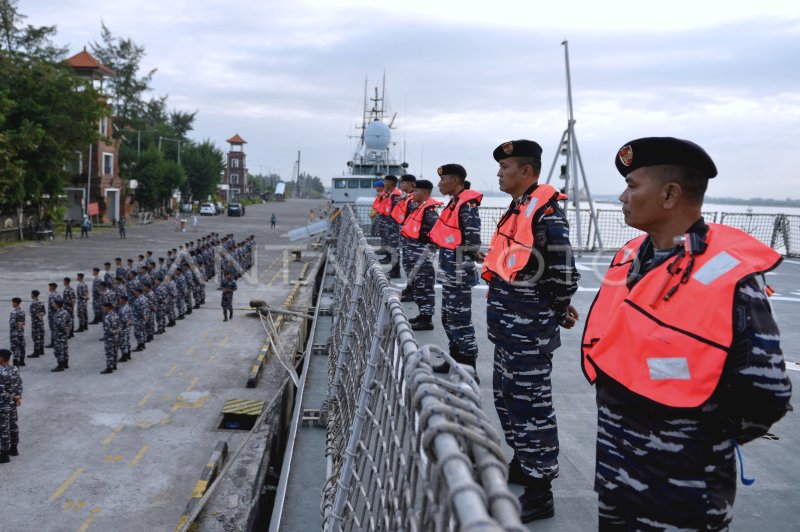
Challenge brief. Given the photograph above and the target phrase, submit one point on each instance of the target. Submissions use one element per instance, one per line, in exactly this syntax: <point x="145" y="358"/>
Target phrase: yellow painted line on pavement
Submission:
<point x="192" y="385"/>
<point x="146" y="397"/>
<point x="113" y="434"/>
<point x="138" y="456"/>
<point x="85" y="526"/>
<point x="189" y="351"/>
<point x="223" y="342"/>
<point x="66" y="484"/>
<point x="171" y="370"/>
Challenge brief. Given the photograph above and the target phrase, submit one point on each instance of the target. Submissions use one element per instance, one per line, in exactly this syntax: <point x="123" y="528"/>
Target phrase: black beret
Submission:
<point x="408" y="177"/>
<point x="52" y="285"/>
<point x="130" y="260"/>
<point x="34" y="292"/>
<point x="80" y="276"/>
<point x="16" y="300"/>
<point x="107" y="264"/>
<point x="119" y="259"/>
<point x="392" y="178"/>
<point x="95" y="269"/>
<point x="517" y="148"/>
<point x="103" y="283"/>
<point x="108" y="304"/>
<point x="424" y="184"/>
<point x="67" y="280"/>
<point x="148" y="284"/>
<point x="58" y="300"/>
<point x="650" y="151"/>
<point x="452" y="169"/>
<point x="138" y="289"/>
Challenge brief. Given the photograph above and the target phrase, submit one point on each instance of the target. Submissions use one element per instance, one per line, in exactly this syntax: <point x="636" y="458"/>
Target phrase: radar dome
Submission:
<point x="377" y="136"/>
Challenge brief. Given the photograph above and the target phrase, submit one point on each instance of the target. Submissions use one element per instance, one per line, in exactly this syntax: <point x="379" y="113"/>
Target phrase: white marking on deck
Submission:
<point x="794" y="366"/>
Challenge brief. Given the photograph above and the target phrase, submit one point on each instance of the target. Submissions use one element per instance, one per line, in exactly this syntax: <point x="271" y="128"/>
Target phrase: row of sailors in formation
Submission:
<point x="146" y="298"/>
<point x="679" y="385"/>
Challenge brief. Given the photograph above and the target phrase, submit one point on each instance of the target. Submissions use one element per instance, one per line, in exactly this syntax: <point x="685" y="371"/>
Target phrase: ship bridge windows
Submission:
<point x="352" y="183"/>
<point x="340" y="183"/>
<point x="366" y="183"/>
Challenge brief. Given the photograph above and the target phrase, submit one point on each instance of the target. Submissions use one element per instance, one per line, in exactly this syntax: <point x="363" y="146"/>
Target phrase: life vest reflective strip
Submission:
<point x="511" y="245"/>
<point x="383" y="203"/>
<point x="413" y="223"/>
<point x="400" y="210"/>
<point x="446" y="232"/>
<point x="672" y="352"/>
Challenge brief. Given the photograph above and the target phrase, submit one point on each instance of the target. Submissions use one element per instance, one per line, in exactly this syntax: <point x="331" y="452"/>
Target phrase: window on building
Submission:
<point x="103" y="127"/>
<point x="234" y="163"/>
<point x="339" y="183"/>
<point x="234" y="179"/>
<point x="108" y="164"/>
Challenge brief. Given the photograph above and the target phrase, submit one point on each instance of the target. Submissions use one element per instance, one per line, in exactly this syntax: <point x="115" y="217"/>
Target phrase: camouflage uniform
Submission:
<point x="187" y="295"/>
<point x="97" y="309"/>
<point x="37" y="312"/>
<point x="141" y="313"/>
<point x="407" y="257"/>
<point x="162" y="300"/>
<point x="523" y="321"/>
<point x="51" y="312"/>
<point x="68" y="295"/>
<point x="82" y="295"/>
<point x="111" y="330"/>
<point x="228" y="287"/>
<point x="60" y="332"/>
<point x="125" y="316"/>
<point x="10" y="386"/>
<point x="458" y="275"/>
<point x="420" y="270"/>
<point x="16" y="326"/>
<point x="667" y="468"/>
<point x="172" y="296"/>
<point x="152" y="305"/>
<point x="180" y="291"/>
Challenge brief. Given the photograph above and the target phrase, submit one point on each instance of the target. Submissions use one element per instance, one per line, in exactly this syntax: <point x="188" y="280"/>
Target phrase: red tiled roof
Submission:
<point x="236" y="139"/>
<point x="86" y="61"/>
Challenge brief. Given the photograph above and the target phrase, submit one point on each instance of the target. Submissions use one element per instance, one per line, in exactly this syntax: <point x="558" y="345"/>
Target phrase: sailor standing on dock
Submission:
<point x="457" y="232"/>
<point x="532" y="277"/>
<point x="682" y="347"/>
<point x="383" y="205"/>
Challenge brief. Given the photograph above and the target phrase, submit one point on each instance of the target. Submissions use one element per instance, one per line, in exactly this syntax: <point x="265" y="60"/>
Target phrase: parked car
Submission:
<point x="220" y="207"/>
<point x="235" y="209"/>
<point x="208" y="209"/>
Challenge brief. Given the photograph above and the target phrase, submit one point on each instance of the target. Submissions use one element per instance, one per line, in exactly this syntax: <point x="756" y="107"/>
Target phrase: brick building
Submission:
<point x="96" y="168"/>
<point x="236" y="169"/>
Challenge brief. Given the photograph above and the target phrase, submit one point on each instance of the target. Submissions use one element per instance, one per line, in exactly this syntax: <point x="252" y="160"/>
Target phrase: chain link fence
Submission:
<point x="780" y="231"/>
<point x="406" y="449"/>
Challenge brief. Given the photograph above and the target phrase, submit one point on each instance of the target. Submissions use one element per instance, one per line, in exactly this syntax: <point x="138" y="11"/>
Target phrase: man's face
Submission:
<point x="642" y="199"/>
<point x="448" y="184"/>
<point x="513" y="178"/>
<point x="421" y="195"/>
<point x="406" y="186"/>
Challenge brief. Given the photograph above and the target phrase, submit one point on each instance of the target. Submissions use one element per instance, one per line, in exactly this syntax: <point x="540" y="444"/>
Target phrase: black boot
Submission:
<point x="60" y="367"/>
<point x="66" y="363"/>
<point x="179" y="318"/>
<point x="171" y="324"/>
<point x="407" y="296"/>
<point x="13" y="450"/>
<point x="423" y="323"/>
<point x="4" y="459"/>
<point x="415" y="319"/>
<point x="35" y="354"/>
<point x="537" y="501"/>
<point x="149" y="337"/>
<point x="394" y="273"/>
<point x="139" y="347"/>
<point x="107" y="371"/>
<point x="516" y="475"/>
<point x="49" y="346"/>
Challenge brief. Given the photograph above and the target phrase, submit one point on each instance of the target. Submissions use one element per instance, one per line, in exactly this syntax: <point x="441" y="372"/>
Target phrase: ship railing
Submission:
<point x="407" y="449"/>
<point x="780" y="231"/>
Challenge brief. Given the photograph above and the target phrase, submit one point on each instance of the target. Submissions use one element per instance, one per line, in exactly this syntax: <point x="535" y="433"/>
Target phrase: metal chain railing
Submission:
<point x="780" y="231"/>
<point x="406" y="449"/>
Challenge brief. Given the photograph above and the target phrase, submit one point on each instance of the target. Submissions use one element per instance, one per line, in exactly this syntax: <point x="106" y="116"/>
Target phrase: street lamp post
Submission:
<point x="179" y="141"/>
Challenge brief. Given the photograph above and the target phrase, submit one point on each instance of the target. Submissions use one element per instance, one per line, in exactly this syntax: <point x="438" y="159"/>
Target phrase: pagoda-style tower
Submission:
<point x="96" y="186"/>
<point x="236" y="169"/>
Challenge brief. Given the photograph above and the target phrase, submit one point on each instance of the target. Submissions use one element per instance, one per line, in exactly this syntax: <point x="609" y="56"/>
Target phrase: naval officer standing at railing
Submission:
<point x="682" y="347"/>
<point x="532" y="277"/>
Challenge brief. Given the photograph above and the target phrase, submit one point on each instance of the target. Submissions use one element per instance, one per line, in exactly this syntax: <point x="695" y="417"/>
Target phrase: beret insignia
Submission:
<point x="508" y="148"/>
<point x="626" y="155"/>
<point x="439" y="170"/>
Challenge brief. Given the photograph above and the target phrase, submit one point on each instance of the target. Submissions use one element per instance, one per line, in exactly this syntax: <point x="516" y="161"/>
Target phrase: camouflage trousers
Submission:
<point x="83" y="315"/>
<point x="227" y="300"/>
<point x="390" y="234"/>
<point x="422" y="277"/>
<point x="161" y="319"/>
<point x="111" y="344"/>
<point x="37" y="335"/>
<point x="150" y="324"/>
<point x="124" y="340"/>
<point x="457" y="319"/>
<point x="140" y="332"/>
<point x="523" y="399"/>
<point x="71" y="313"/>
<point x="171" y="311"/>
<point x="97" y="308"/>
<point x="196" y="293"/>
<point x="181" y="304"/>
<point x="615" y="515"/>
<point x="61" y="348"/>
<point x="50" y="324"/>
<point x="18" y="345"/>
<point x="187" y="298"/>
<point x="9" y="430"/>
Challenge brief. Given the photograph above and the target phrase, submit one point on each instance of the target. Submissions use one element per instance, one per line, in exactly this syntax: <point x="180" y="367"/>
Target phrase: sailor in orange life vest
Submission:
<point x="532" y="277"/>
<point x="457" y="232"/>
<point x="375" y="228"/>
<point x="416" y="229"/>
<point x="400" y="212"/>
<point x="682" y="347"/>
<point x="390" y="230"/>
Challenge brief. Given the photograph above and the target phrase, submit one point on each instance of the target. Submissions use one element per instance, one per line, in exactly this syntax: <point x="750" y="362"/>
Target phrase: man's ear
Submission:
<point x="671" y="194"/>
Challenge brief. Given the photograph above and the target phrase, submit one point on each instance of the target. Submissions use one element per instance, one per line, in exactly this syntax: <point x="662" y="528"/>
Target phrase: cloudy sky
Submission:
<point x="466" y="76"/>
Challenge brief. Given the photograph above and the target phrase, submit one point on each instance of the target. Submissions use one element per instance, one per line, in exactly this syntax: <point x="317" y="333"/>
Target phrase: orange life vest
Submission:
<point x="400" y="210"/>
<point x="671" y="351"/>
<point x="413" y="223"/>
<point x="383" y="203"/>
<point x="446" y="232"/>
<point x="511" y="245"/>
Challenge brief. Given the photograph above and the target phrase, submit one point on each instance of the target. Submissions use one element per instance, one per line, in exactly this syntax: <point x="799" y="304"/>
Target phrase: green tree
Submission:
<point x="203" y="164"/>
<point x="16" y="38"/>
<point x="157" y="177"/>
